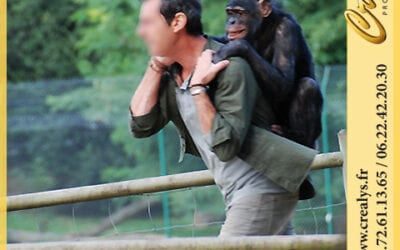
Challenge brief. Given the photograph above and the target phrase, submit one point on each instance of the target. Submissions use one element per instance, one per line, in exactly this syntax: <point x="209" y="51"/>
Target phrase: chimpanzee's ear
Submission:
<point x="265" y="7"/>
<point x="264" y="2"/>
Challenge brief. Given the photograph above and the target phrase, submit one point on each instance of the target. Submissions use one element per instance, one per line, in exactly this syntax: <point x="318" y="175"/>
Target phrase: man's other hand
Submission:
<point x="205" y="70"/>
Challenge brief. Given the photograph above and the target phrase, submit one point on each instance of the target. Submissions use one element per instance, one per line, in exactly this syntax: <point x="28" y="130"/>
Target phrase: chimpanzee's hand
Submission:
<point x="238" y="47"/>
<point x="277" y="129"/>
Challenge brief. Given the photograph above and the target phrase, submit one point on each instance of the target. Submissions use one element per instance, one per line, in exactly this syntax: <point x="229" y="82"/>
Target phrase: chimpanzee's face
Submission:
<point x="243" y="19"/>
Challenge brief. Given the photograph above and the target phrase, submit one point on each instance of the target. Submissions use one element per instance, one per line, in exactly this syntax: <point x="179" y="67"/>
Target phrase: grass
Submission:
<point x="180" y="227"/>
<point x="67" y="225"/>
<point x="49" y="223"/>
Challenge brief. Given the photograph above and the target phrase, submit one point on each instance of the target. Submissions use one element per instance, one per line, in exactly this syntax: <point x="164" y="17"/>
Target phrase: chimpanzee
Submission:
<point x="272" y="42"/>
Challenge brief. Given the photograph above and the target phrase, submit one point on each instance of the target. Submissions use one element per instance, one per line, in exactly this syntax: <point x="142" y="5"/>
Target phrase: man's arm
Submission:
<point x="204" y="73"/>
<point x="146" y="117"/>
<point x="225" y="123"/>
<point x="146" y="95"/>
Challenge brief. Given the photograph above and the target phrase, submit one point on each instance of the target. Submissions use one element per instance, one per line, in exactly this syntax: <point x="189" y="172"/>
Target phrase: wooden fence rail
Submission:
<point x="135" y="187"/>
<point x="303" y="242"/>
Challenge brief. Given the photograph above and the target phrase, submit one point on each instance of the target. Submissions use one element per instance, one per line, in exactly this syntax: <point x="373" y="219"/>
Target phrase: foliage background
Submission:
<point x="64" y="133"/>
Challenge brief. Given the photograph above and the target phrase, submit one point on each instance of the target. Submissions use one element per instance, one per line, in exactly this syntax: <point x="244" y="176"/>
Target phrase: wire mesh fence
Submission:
<point x="146" y="219"/>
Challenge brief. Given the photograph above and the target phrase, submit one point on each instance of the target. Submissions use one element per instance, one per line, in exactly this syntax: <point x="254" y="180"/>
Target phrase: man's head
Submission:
<point x="162" y="22"/>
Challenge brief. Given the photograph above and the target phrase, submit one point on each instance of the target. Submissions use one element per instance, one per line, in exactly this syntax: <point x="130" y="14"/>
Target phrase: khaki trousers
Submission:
<point x="260" y="214"/>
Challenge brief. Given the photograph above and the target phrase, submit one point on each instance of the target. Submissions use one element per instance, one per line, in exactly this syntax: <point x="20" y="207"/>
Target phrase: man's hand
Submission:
<point x="146" y="95"/>
<point x="159" y="64"/>
<point x="205" y="70"/>
<point x="166" y="61"/>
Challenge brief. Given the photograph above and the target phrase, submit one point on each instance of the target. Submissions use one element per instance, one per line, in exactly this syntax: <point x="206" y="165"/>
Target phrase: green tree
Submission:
<point x="41" y="40"/>
<point x="108" y="44"/>
<point x="324" y="27"/>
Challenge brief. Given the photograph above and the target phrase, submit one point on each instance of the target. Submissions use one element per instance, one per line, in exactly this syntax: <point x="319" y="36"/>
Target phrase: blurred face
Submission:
<point x="154" y="29"/>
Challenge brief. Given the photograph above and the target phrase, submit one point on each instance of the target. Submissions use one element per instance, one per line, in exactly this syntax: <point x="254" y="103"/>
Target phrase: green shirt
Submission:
<point x="240" y="127"/>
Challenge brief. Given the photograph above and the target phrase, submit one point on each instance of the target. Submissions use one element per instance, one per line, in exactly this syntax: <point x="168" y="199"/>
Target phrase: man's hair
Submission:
<point x="192" y="10"/>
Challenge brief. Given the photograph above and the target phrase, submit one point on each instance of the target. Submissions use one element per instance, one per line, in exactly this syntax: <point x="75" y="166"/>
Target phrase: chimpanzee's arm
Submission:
<point x="276" y="78"/>
<point x="222" y="39"/>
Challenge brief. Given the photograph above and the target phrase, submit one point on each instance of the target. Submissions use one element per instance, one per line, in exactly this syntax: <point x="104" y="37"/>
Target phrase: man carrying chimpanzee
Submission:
<point x="221" y="116"/>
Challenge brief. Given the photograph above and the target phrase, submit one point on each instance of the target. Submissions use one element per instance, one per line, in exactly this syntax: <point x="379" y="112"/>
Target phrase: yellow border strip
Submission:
<point x="396" y="54"/>
<point x="372" y="141"/>
<point x="3" y="123"/>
